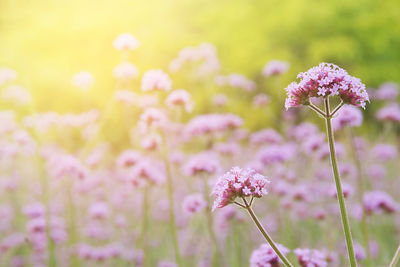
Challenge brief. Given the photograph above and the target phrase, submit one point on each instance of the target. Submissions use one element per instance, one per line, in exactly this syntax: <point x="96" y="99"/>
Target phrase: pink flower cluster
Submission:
<point x="125" y="71"/>
<point x="193" y="203"/>
<point x="156" y="80"/>
<point x="205" y="162"/>
<point x="378" y="201"/>
<point x="326" y="80"/>
<point x="347" y="116"/>
<point x="275" y="67"/>
<point x="125" y="41"/>
<point x="265" y="256"/>
<point x="236" y="80"/>
<point x="212" y="123"/>
<point x="389" y="113"/>
<point x="238" y="183"/>
<point x="180" y="98"/>
<point x="311" y="257"/>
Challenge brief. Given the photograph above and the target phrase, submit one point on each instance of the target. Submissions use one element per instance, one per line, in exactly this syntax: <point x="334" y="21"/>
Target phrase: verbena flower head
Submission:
<point x="180" y="98"/>
<point x="326" y="80"/>
<point x="193" y="203"/>
<point x="238" y="183"/>
<point x="265" y="256"/>
<point x="83" y="80"/>
<point x="347" y="116"/>
<point x="387" y="91"/>
<point x="379" y="201"/>
<point x="156" y="80"/>
<point x="16" y="94"/>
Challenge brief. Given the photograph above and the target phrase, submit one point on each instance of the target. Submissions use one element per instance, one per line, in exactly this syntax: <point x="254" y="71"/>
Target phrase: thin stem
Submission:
<point x="174" y="235"/>
<point x="239" y="204"/>
<point x="361" y="189"/>
<point x="145" y="222"/>
<point x="265" y="234"/>
<point x="316" y="109"/>
<point x="337" y="108"/>
<point x="340" y="196"/>
<point x="251" y="201"/>
<point x="396" y="258"/>
<point x="210" y="225"/>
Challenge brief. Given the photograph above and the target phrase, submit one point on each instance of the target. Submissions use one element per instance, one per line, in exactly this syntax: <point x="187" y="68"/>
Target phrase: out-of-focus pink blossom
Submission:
<point x="379" y="201"/>
<point x="265" y="256"/>
<point x="311" y="257"/>
<point x="7" y="75"/>
<point x="384" y="152"/>
<point x="156" y="80"/>
<point x="180" y="98"/>
<point x="387" y="91"/>
<point x="16" y="94"/>
<point x="275" y="67"/>
<point x="83" y="80"/>
<point x="193" y="204"/>
<point x="202" y="163"/>
<point x="125" y="71"/>
<point x="389" y="113"/>
<point x="125" y="42"/>
<point x="347" y="116"/>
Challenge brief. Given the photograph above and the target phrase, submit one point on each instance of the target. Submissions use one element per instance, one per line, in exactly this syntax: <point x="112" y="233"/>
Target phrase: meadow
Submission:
<point x="199" y="133"/>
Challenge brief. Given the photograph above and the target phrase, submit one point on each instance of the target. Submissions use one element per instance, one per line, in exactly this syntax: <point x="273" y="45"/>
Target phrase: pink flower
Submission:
<point x="156" y="80"/>
<point x="99" y="211"/>
<point x="125" y="41"/>
<point x="260" y="100"/>
<point x="205" y="162"/>
<point x="387" y="91"/>
<point x="389" y="113"/>
<point x="152" y="118"/>
<point x="311" y="257"/>
<point x="16" y="94"/>
<point x="384" y="152"/>
<point x="128" y="158"/>
<point x="326" y="80"/>
<point x="212" y="123"/>
<point x="167" y="264"/>
<point x="180" y="98"/>
<point x="125" y="96"/>
<point x="265" y="256"/>
<point x="238" y="183"/>
<point x="220" y="100"/>
<point x="347" y="116"/>
<point x="7" y="75"/>
<point x="83" y="80"/>
<point x="125" y="71"/>
<point x="240" y="81"/>
<point x="275" y="67"/>
<point x="266" y="136"/>
<point x="378" y="201"/>
<point x="193" y="203"/>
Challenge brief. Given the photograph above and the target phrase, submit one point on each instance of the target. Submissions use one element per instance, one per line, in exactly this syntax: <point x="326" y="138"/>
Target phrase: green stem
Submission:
<point x="340" y="196"/>
<point x="145" y="222"/>
<point x="361" y="189"/>
<point x="265" y="234"/>
<point x="210" y="225"/>
<point x="170" y="187"/>
<point x="396" y="258"/>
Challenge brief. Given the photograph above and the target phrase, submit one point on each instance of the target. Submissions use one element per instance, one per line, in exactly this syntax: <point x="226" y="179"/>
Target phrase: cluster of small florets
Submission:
<point x="152" y="118"/>
<point x="125" y="42"/>
<point x="212" y="123"/>
<point x="347" y="116"/>
<point x="238" y="183"/>
<point x="311" y="257"/>
<point x="16" y="94"/>
<point x="384" y="152"/>
<point x="103" y="253"/>
<point x="156" y="80"/>
<point x="83" y="80"/>
<point x="265" y="256"/>
<point x="326" y="80"/>
<point x="378" y="202"/>
<point x="266" y="136"/>
<point x="387" y="91"/>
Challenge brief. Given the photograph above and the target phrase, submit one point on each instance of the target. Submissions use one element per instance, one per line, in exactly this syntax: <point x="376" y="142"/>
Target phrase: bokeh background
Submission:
<point x="47" y="42"/>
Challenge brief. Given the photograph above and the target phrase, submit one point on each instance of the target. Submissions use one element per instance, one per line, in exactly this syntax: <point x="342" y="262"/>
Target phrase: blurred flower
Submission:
<point x="212" y="123"/>
<point x="180" y="98"/>
<point x="16" y="94"/>
<point x="378" y="201"/>
<point x="387" y="91"/>
<point x="261" y="100"/>
<point x="238" y="183"/>
<point x="7" y="75"/>
<point x="193" y="203"/>
<point x="125" y="41"/>
<point x="389" y="113"/>
<point x="83" y="80"/>
<point x="311" y="257"/>
<point x="265" y="256"/>
<point x="347" y="116"/>
<point x="324" y="80"/>
<point x="275" y="67"/>
<point x="125" y="71"/>
<point x="384" y="152"/>
<point x="220" y="100"/>
<point x="205" y="162"/>
<point x="266" y="136"/>
<point x="154" y="80"/>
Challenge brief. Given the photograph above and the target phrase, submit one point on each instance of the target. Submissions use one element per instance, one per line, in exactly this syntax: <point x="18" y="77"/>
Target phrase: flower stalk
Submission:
<point x="247" y="205"/>
<point x="340" y="196"/>
<point x="396" y="258"/>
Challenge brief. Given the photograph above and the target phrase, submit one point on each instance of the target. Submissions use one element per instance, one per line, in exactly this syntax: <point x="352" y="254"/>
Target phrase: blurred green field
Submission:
<point x="47" y="42"/>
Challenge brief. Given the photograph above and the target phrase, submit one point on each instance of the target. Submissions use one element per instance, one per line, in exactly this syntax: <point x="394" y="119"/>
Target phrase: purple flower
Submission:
<point x="156" y="80"/>
<point x="384" y="152"/>
<point x="238" y="183"/>
<point x="275" y="67"/>
<point x="265" y="256"/>
<point x="378" y="201"/>
<point x="347" y="116"/>
<point x="311" y="257"/>
<point x="326" y="80"/>
<point x="389" y="113"/>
